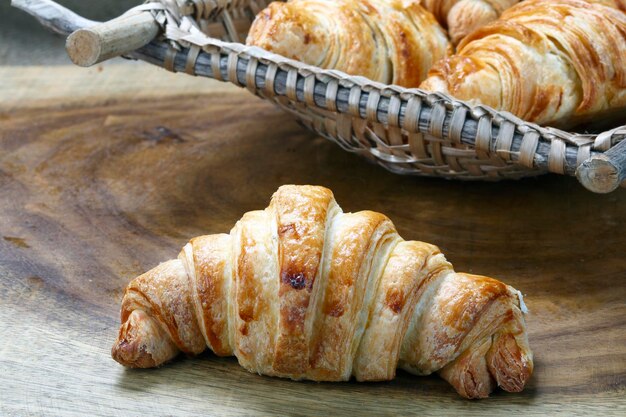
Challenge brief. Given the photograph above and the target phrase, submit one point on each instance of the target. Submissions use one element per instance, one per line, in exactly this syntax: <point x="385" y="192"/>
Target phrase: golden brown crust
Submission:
<point x="469" y="373"/>
<point x="550" y="62"/>
<point x="461" y="17"/>
<point x="302" y="215"/>
<point x="207" y="263"/>
<point x="302" y="290"/>
<point x="256" y="290"/>
<point x="142" y="342"/>
<point x="468" y="15"/>
<point x="391" y="41"/>
<point x="163" y="293"/>
<point x="508" y="362"/>
<point x="404" y="279"/>
<point x="356" y="239"/>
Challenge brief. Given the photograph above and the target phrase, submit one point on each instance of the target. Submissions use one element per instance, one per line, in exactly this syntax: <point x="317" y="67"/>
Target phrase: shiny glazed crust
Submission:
<point x="390" y="41"/>
<point x="554" y="62"/>
<point x="304" y="291"/>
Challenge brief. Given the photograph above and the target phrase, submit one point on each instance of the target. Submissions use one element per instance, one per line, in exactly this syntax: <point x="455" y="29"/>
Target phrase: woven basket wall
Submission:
<point x="407" y="131"/>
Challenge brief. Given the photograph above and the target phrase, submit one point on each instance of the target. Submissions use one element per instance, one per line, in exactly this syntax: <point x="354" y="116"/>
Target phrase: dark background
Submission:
<point x="24" y="42"/>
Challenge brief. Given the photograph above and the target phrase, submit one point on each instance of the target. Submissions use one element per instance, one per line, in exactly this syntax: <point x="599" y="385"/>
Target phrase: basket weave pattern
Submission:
<point x="407" y="131"/>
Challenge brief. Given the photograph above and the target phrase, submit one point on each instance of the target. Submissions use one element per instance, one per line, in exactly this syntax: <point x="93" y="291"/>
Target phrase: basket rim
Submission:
<point x="602" y="141"/>
<point x="219" y="6"/>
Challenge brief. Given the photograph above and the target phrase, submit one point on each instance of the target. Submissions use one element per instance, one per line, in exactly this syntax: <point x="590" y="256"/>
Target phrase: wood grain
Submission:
<point x="99" y="190"/>
<point x="604" y="173"/>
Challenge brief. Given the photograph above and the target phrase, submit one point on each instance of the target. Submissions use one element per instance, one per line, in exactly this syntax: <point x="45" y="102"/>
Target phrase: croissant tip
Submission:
<point x="511" y="365"/>
<point x="131" y="354"/>
<point x="141" y="343"/>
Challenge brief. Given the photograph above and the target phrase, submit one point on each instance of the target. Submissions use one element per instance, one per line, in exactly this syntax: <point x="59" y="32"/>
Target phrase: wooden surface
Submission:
<point x="106" y="172"/>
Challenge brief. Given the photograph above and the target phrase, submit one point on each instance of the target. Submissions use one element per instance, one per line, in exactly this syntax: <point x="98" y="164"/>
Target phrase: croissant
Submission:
<point x="304" y="291"/>
<point x="390" y="41"/>
<point x="556" y="62"/>
<point x="463" y="16"/>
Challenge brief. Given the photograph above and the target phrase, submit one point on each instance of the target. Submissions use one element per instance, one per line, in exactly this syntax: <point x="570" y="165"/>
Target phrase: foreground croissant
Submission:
<point x="390" y="41"/>
<point x="557" y="62"/>
<point x="304" y="291"/>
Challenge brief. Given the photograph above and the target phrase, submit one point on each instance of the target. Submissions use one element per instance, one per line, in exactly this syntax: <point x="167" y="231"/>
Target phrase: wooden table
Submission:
<point x="106" y="172"/>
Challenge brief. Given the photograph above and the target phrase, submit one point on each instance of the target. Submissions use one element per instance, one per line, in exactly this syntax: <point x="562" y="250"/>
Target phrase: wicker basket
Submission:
<point x="407" y="131"/>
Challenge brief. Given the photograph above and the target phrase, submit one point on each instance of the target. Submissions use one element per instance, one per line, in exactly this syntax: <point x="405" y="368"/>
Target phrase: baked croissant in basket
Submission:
<point x="555" y="62"/>
<point x="461" y="17"/>
<point x="304" y="291"/>
<point x="390" y="41"/>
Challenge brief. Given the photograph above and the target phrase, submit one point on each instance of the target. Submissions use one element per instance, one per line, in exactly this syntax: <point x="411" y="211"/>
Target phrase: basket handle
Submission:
<point x="89" y="46"/>
<point x="604" y="172"/>
<point x="127" y="33"/>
